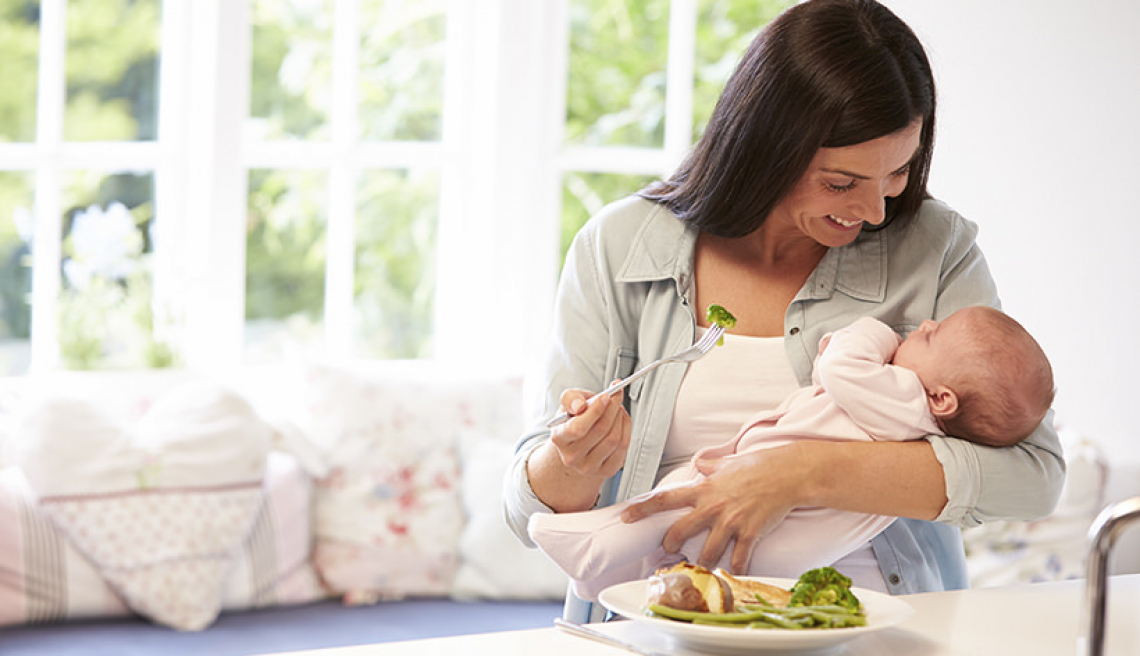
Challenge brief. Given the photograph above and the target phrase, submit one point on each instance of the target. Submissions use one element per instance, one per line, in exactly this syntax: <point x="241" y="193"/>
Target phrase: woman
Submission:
<point x="801" y="208"/>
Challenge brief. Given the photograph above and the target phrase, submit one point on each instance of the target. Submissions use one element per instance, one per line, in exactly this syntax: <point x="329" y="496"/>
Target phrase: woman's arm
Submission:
<point x="563" y="469"/>
<point x="983" y="483"/>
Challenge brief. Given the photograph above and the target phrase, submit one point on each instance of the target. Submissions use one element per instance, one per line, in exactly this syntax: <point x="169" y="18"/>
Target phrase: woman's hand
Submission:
<point x="740" y="499"/>
<point x="567" y="471"/>
<point x="594" y="441"/>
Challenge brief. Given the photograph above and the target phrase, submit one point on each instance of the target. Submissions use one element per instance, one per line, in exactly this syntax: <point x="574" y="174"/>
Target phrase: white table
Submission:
<point x="1041" y="619"/>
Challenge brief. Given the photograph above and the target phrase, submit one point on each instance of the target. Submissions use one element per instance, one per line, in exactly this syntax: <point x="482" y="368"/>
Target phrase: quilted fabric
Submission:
<point x="45" y="578"/>
<point x="159" y="507"/>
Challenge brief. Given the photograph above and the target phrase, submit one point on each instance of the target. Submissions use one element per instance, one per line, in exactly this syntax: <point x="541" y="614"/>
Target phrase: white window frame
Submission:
<point x="501" y="159"/>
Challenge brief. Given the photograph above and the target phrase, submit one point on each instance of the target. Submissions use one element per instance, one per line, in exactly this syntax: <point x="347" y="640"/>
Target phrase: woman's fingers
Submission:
<point x="742" y="551"/>
<point x="594" y="441"/>
<point x="738" y="500"/>
<point x="719" y="537"/>
<point x="615" y="460"/>
<point x="659" y="501"/>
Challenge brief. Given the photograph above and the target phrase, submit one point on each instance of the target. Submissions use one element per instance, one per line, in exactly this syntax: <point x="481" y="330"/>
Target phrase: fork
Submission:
<point x="694" y="352"/>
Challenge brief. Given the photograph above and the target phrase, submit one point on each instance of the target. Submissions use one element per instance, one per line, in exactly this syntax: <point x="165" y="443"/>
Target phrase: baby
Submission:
<point x="976" y="375"/>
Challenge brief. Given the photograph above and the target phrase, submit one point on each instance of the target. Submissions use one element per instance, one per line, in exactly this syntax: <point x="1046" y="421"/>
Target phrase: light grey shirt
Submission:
<point x="623" y="301"/>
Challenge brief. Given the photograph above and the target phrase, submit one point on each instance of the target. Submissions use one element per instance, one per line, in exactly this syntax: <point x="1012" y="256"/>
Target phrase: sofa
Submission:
<point x="260" y="510"/>
<point x="315" y="504"/>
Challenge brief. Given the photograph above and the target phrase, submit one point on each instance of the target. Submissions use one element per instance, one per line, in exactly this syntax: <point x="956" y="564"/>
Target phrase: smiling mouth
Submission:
<point x="844" y="222"/>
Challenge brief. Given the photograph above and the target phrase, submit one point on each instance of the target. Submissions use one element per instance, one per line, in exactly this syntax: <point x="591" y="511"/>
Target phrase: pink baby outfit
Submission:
<point x="856" y="395"/>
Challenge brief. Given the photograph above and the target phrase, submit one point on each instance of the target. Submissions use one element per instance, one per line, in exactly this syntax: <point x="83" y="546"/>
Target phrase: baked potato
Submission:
<point x="685" y="586"/>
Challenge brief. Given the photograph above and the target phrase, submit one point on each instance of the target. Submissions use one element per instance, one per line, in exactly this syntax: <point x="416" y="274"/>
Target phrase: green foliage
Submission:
<point x="396" y="235"/>
<point x="724" y="30"/>
<point x="110" y="324"/>
<point x="112" y="70"/>
<point x="616" y="89"/>
<point x="106" y="308"/>
<point x="291" y="68"/>
<point x="285" y="245"/>
<point x="401" y="78"/>
<point x="402" y="63"/>
<point x="19" y="50"/>
<point x="15" y="256"/>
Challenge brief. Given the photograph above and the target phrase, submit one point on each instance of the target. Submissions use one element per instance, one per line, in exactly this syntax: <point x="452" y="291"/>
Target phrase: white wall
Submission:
<point x="1039" y="143"/>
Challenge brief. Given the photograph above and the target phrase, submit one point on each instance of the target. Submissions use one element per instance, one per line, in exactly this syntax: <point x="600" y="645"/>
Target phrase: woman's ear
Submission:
<point x="943" y="402"/>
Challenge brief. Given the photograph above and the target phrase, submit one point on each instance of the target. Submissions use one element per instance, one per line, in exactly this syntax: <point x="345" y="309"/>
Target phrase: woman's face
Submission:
<point x="843" y="188"/>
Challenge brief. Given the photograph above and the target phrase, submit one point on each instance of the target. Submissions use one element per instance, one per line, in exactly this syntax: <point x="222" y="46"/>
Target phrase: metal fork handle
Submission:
<point x="700" y="348"/>
<point x="563" y="416"/>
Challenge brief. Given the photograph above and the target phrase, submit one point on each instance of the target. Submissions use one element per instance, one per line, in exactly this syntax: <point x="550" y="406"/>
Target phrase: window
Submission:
<point x="207" y="182"/>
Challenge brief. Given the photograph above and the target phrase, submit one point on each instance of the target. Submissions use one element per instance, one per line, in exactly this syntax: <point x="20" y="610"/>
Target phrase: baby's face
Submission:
<point x="931" y="349"/>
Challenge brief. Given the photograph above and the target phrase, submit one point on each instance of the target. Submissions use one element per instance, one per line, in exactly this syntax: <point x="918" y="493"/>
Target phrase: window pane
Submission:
<point x="724" y="30"/>
<point x="616" y="87"/>
<point x="396" y="226"/>
<point x="19" y="50"/>
<point x="585" y="194"/>
<point x="291" y="77"/>
<point x="112" y="70"/>
<point x="285" y="262"/>
<point x="107" y="315"/>
<point x="15" y="271"/>
<point x="401" y="69"/>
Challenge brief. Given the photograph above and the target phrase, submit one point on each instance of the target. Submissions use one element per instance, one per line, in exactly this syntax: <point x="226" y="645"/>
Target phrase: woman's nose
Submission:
<point x="872" y="206"/>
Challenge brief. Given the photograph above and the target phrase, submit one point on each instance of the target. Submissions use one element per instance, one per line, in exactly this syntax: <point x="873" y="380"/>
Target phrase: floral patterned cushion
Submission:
<point x="389" y="515"/>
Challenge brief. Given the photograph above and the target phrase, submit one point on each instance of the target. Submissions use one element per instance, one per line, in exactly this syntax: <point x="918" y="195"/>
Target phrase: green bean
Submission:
<point x="785" y="622"/>
<point x="767" y="616"/>
<point x="691" y="615"/>
<point x="707" y="622"/>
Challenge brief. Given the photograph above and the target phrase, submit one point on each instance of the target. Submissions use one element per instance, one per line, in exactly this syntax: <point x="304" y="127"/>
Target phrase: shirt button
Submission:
<point x="895" y="579"/>
<point x="794" y="331"/>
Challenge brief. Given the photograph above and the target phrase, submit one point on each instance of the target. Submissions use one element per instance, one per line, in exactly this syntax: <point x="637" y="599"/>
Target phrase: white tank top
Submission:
<point x="722" y="390"/>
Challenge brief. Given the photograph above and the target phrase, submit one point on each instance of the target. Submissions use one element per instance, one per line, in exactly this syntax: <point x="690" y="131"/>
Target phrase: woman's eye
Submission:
<point x="903" y="172"/>
<point x="835" y="187"/>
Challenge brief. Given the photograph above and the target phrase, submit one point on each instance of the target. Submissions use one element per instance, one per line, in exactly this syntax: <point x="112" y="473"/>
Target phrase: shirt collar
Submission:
<point x="661" y="249"/>
<point x="858" y="270"/>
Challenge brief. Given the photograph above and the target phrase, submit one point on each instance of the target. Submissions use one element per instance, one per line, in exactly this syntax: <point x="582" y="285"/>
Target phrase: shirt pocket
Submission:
<point x="625" y="363"/>
<point x="904" y="329"/>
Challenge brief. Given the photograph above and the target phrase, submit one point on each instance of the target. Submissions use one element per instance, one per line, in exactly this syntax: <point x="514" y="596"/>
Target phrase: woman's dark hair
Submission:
<point x="825" y="73"/>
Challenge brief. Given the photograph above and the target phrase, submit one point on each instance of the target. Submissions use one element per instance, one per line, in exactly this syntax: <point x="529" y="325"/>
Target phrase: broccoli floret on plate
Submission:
<point x="824" y="586"/>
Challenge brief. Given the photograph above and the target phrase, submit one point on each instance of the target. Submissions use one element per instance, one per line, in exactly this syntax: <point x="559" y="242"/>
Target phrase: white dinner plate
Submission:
<point x="628" y="600"/>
